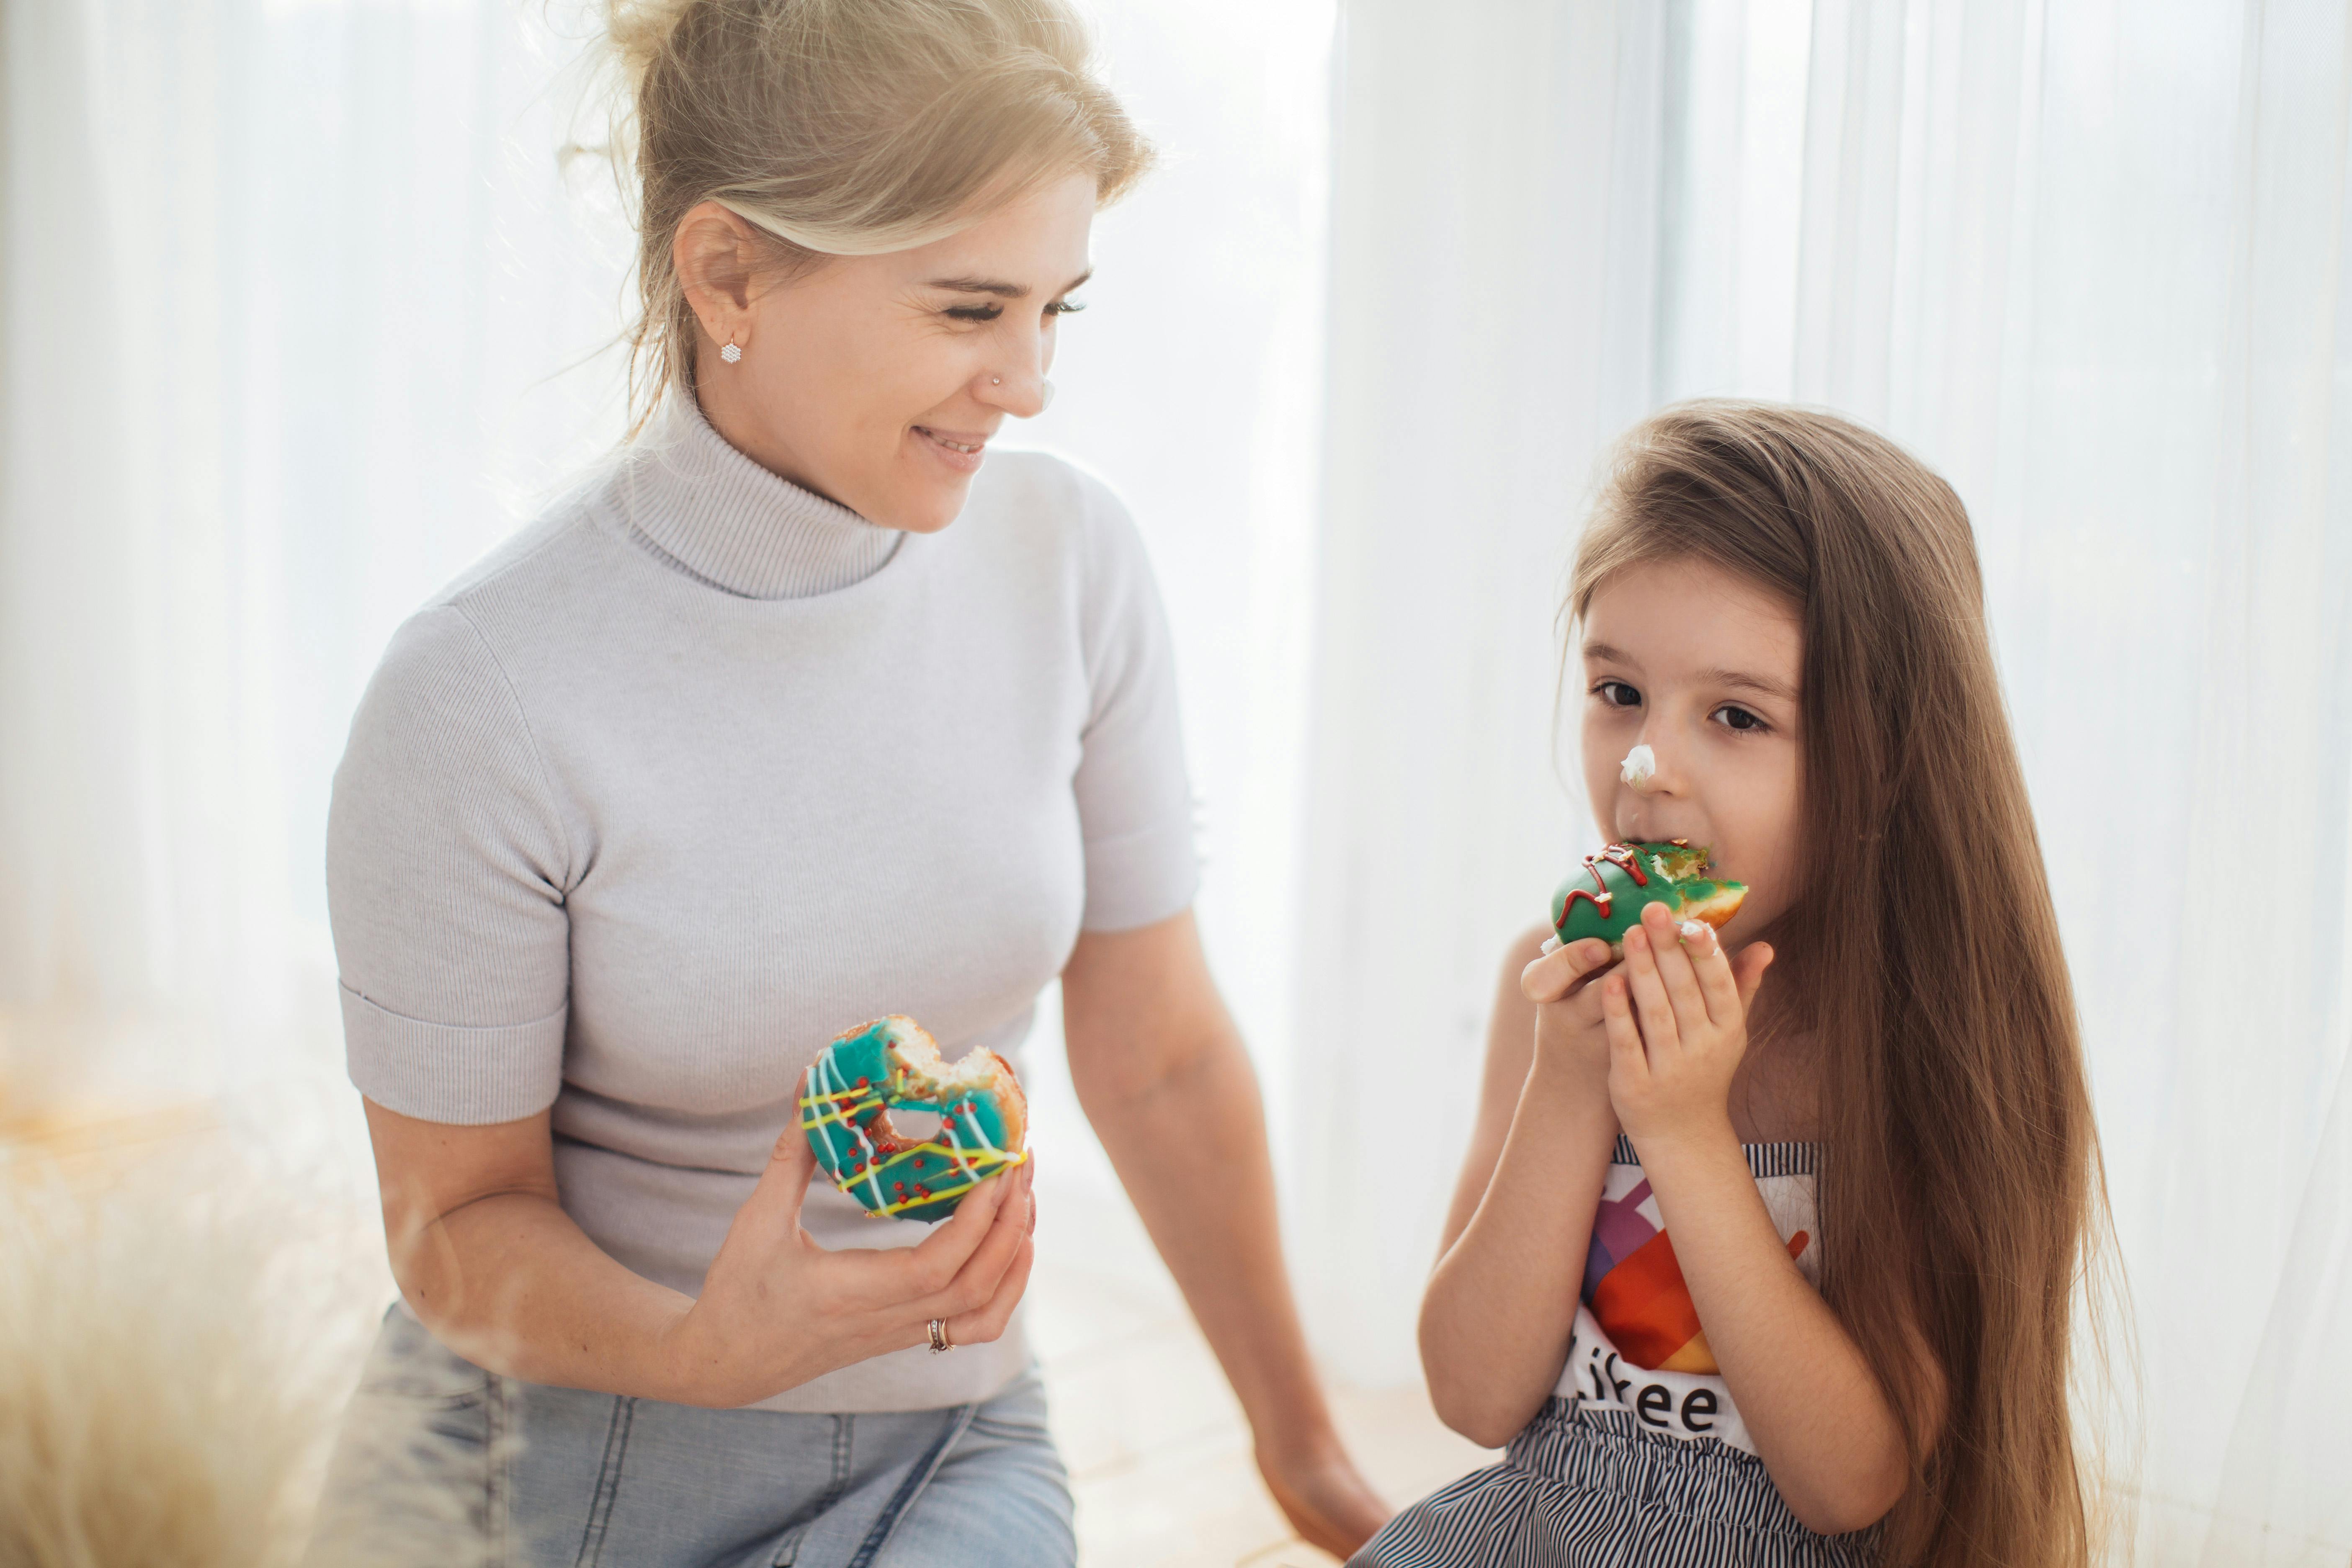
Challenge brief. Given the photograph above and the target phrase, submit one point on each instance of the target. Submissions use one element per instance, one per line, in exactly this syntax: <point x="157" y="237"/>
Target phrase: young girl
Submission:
<point x="1751" y="1272"/>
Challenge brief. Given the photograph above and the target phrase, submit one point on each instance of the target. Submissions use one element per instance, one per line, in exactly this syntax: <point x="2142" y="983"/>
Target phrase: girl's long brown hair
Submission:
<point x="1960" y="1193"/>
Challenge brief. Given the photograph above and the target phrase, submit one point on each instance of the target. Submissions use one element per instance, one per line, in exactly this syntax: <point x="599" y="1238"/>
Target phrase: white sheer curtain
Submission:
<point x="291" y="292"/>
<point x="2090" y="261"/>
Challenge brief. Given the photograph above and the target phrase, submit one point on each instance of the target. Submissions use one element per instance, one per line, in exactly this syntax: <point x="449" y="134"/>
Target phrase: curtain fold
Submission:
<point x="2089" y="262"/>
<point x="292" y="293"/>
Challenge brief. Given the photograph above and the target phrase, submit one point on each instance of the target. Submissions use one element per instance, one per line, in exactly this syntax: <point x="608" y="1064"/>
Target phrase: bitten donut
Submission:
<point x="1606" y="896"/>
<point x="893" y="1064"/>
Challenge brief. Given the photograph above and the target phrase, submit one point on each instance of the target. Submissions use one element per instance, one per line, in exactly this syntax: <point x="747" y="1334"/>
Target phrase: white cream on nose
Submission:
<point x="1640" y="766"/>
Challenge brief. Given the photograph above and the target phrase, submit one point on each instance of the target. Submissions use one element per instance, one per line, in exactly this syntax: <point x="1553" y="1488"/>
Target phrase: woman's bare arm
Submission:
<point x="488" y="1259"/>
<point x="1167" y="1082"/>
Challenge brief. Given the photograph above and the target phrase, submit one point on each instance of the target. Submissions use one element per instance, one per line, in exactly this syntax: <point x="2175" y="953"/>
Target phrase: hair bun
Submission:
<point x="641" y="30"/>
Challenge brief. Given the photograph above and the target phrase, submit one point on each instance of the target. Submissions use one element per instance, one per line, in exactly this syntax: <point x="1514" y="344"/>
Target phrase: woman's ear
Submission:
<point x="714" y="255"/>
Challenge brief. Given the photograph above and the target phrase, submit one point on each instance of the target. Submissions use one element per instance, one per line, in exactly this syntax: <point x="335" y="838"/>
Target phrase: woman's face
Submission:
<point x="875" y="381"/>
<point x="1702" y="666"/>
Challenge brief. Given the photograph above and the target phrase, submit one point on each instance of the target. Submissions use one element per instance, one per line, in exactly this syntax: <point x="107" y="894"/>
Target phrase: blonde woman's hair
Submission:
<point x="844" y="128"/>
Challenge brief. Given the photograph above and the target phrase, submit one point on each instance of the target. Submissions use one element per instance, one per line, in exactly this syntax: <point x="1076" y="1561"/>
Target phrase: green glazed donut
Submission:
<point x="1605" y="896"/>
<point x="892" y="1063"/>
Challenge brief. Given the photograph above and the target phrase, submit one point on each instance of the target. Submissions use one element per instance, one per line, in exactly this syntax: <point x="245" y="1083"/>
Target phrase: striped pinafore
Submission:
<point x="1640" y="1456"/>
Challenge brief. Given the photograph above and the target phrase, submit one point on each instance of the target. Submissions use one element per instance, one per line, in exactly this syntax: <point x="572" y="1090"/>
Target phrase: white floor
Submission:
<point x="1159" y="1454"/>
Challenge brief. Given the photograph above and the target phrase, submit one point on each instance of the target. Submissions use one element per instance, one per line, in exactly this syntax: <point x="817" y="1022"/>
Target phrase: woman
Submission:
<point x="796" y="715"/>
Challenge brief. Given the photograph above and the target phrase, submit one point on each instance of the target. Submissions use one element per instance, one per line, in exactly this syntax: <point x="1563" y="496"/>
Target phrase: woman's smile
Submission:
<point x="960" y="450"/>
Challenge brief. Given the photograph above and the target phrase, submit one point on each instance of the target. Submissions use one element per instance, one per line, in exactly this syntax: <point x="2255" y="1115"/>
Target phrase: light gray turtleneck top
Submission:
<point x="702" y="770"/>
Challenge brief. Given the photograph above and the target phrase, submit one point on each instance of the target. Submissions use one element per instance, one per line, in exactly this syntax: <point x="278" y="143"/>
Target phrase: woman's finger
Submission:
<point x="1674" y="971"/>
<point x="988" y="1323"/>
<point x="928" y="1268"/>
<point x="1715" y="981"/>
<point x="1562" y="970"/>
<point x="784" y="1182"/>
<point x="975" y="1283"/>
<point x="1652" y="1008"/>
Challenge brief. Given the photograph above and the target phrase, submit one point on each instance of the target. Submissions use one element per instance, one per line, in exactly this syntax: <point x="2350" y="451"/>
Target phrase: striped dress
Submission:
<point x="1640" y="1456"/>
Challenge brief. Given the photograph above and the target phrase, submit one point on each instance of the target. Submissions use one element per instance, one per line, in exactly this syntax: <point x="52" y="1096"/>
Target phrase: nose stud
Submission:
<point x="1640" y="766"/>
<point x="1045" y="391"/>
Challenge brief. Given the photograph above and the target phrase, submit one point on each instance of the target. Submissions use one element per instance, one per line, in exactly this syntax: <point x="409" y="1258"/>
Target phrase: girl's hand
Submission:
<point x="1572" y="1039"/>
<point x="1676" y="1014"/>
<point x="777" y="1309"/>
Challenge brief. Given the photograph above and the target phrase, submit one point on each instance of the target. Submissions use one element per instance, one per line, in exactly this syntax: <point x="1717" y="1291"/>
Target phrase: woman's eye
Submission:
<point x="1734" y="717"/>
<point x="1617" y="694"/>
<point x="991" y="312"/>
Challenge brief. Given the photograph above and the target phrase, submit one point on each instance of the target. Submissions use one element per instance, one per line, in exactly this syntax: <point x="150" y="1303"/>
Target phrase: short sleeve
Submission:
<point x="446" y="874"/>
<point x="1135" y="801"/>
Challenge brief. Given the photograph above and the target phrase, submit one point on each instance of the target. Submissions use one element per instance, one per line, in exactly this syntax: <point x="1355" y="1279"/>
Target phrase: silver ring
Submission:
<point x="940" y="1345"/>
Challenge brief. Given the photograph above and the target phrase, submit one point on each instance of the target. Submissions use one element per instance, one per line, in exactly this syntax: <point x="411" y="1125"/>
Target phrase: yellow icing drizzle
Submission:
<point x="849" y="1107"/>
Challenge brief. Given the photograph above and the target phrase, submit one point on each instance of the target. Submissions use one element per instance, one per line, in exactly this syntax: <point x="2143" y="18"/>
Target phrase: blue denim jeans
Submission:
<point x="440" y="1460"/>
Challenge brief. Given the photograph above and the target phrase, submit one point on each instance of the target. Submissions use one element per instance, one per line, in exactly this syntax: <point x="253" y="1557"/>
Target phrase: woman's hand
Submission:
<point x="777" y="1309"/>
<point x="1326" y="1498"/>
<point x="1677" y="1015"/>
<point x="1571" y="1038"/>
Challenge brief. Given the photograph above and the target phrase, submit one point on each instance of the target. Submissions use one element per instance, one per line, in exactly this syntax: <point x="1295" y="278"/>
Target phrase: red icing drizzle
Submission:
<point x="1599" y="901"/>
<point x="1627" y="857"/>
<point x="1623" y="856"/>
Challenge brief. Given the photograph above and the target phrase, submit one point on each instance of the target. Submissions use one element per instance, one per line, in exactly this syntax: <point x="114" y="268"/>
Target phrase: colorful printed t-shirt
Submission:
<point x="1638" y="1346"/>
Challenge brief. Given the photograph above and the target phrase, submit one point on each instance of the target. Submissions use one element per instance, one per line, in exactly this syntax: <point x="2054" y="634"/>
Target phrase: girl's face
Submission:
<point x="877" y="381"/>
<point x="1702" y="666"/>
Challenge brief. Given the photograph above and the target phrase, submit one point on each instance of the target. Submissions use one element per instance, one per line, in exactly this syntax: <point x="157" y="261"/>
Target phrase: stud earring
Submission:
<point x="731" y="353"/>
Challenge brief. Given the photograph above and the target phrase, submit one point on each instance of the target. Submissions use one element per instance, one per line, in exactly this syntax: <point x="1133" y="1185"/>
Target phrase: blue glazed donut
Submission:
<point x="893" y="1063"/>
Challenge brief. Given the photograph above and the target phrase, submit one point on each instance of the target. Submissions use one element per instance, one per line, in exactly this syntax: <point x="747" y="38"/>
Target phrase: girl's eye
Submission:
<point x="1617" y="694"/>
<point x="1735" y="717"/>
<point x="1065" y="307"/>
